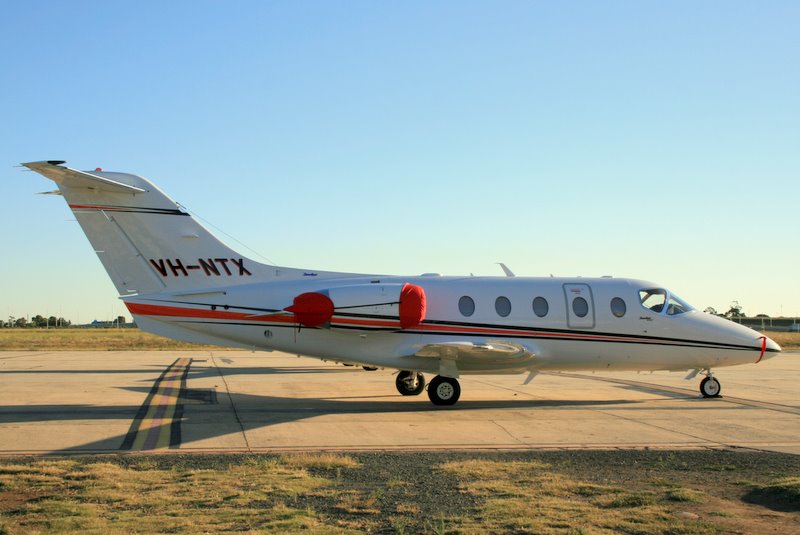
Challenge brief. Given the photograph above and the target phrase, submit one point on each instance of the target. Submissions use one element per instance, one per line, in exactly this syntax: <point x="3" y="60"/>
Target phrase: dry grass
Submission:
<point x="318" y="460"/>
<point x="74" y="339"/>
<point x="68" y="496"/>
<point x="556" y="492"/>
<point x="785" y="340"/>
<point x="532" y="497"/>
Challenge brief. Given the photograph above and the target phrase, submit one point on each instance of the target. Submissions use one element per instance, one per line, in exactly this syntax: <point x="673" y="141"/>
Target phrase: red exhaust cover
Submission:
<point x="312" y="309"/>
<point x="412" y="306"/>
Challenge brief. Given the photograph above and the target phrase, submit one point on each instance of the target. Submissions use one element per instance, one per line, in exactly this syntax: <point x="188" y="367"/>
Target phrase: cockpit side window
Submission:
<point x="653" y="299"/>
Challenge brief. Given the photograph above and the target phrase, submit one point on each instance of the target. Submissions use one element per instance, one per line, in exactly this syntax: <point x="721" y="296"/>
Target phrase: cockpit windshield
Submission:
<point x="677" y="305"/>
<point x="661" y="301"/>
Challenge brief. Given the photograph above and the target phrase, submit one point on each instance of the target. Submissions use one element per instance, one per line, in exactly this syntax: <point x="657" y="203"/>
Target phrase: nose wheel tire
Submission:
<point x="710" y="387"/>
<point x="444" y="390"/>
<point x="410" y="383"/>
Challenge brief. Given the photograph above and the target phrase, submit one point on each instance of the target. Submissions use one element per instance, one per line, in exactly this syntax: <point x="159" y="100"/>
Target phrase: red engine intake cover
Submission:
<point x="412" y="306"/>
<point x="312" y="309"/>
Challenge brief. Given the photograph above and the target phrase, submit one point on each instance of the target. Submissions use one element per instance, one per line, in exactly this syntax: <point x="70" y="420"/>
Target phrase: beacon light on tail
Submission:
<point x="200" y="290"/>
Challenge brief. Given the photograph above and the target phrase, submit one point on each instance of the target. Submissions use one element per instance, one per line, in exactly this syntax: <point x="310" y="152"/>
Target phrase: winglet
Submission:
<point x="507" y="271"/>
<point x="73" y="178"/>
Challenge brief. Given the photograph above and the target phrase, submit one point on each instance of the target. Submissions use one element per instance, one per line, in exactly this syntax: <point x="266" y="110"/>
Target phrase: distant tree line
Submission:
<point x="735" y="311"/>
<point x="36" y="322"/>
<point x="51" y="322"/>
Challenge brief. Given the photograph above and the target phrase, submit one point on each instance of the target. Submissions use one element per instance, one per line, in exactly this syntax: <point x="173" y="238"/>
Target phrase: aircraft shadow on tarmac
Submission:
<point x="206" y="414"/>
<point x="255" y="411"/>
<point x="260" y="411"/>
<point x="657" y="390"/>
<point x="205" y="371"/>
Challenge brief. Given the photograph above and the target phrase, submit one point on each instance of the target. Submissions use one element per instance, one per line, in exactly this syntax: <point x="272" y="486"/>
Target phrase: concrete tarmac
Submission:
<point x="224" y="401"/>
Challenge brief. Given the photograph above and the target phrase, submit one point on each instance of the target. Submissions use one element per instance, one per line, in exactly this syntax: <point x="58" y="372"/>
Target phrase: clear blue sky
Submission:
<point x="657" y="140"/>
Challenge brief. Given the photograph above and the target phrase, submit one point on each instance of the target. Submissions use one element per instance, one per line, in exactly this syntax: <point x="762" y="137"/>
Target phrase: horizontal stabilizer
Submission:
<point x="73" y="178"/>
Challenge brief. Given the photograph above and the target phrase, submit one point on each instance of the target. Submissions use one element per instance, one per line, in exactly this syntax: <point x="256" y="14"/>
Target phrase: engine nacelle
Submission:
<point x="368" y="305"/>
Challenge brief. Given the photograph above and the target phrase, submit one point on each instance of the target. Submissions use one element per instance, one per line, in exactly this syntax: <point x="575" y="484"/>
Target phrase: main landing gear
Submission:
<point x="410" y="383"/>
<point x="441" y="390"/>
<point x="444" y="390"/>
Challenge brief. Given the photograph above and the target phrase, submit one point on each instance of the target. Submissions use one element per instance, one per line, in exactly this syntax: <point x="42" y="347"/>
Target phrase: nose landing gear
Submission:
<point x="710" y="387"/>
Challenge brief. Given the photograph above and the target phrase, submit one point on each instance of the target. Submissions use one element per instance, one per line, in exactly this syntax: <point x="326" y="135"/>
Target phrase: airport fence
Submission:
<point x="770" y="324"/>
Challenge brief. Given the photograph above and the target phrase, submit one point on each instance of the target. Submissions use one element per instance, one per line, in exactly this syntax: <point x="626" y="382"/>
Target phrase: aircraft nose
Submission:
<point x="773" y="346"/>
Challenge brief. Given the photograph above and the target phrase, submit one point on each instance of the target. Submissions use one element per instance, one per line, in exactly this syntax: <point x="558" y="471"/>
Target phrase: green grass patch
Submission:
<point x="782" y="494"/>
<point x="685" y="495"/>
<point x="630" y="499"/>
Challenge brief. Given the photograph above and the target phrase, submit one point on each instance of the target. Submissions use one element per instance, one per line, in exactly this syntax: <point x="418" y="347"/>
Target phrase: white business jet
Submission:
<point x="179" y="281"/>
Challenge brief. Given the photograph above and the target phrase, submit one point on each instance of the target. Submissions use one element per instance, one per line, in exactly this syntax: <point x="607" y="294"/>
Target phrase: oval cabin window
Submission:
<point x="503" y="306"/>
<point x="618" y="307"/>
<point x="580" y="307"/>
<point x="540" y="307"/>
<point x="466" y="306"/>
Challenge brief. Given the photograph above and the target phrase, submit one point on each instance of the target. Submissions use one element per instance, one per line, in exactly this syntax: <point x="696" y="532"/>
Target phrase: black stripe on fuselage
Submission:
<point x="215" y="306"/>
<point x="636" y="338"/>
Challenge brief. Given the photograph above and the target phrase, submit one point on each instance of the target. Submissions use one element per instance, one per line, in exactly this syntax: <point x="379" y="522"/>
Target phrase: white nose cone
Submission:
<point x="771" y="348"/>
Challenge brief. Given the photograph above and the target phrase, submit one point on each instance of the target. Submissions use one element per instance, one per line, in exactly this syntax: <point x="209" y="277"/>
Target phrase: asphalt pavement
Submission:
<point x="236" y="401"/>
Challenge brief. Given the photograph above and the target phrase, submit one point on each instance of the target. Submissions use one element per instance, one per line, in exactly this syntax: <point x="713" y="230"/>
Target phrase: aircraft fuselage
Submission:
<point x="636" y="338"/>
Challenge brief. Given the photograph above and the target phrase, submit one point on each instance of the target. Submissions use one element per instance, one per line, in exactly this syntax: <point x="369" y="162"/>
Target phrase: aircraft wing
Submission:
<point x="499" y="354"/>
<point x="72" y="178"/>
<point x="494" y="350"/>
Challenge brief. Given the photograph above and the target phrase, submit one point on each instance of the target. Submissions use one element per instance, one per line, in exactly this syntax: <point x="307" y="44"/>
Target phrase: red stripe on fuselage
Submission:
<point x="183" y="312"/>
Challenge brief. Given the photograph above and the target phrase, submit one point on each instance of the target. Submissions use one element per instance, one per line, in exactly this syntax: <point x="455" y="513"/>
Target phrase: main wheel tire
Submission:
<point x="710" y="387"/>
<point x="444" y="390"/>
<point x="403" y="386"/>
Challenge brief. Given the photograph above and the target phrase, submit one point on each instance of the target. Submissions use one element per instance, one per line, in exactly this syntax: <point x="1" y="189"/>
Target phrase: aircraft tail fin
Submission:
<point x="145" y="240"/>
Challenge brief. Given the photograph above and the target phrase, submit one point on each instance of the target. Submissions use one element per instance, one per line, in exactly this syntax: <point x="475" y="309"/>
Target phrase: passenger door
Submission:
<point x="580" y="306"/>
